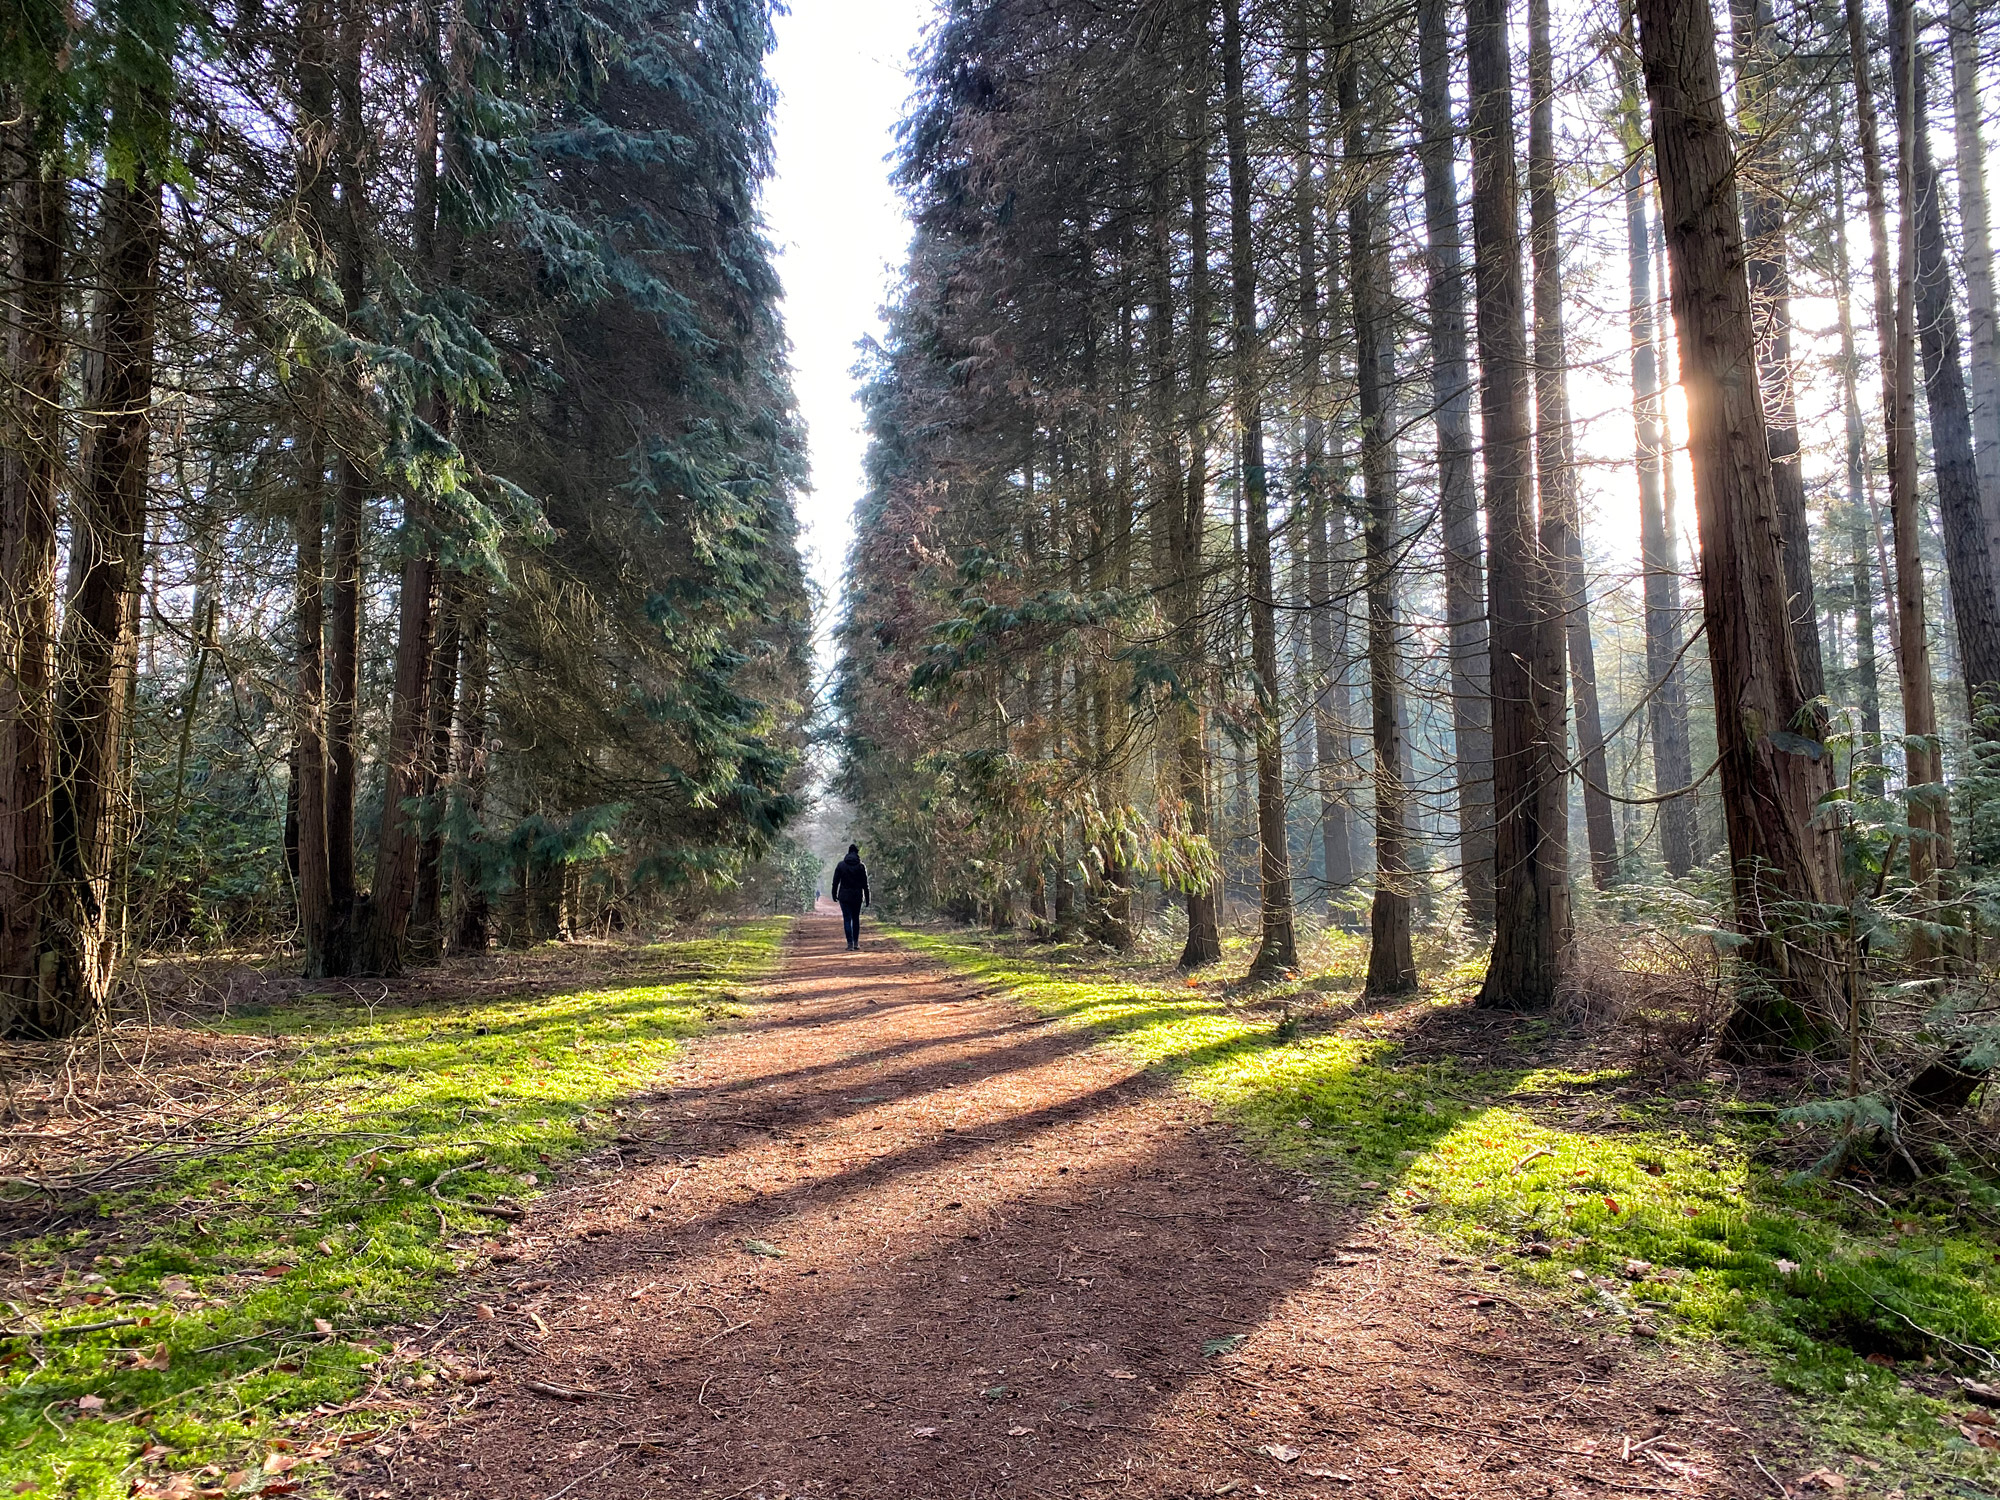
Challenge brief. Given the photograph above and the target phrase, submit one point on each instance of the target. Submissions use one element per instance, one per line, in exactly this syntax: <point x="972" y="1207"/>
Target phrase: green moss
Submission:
<point x="1634" y="1210"/>
<point x="350" y="1213"/>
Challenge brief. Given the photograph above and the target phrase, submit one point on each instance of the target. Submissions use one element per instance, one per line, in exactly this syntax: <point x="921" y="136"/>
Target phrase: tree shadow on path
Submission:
<point x="913" y="1249"/>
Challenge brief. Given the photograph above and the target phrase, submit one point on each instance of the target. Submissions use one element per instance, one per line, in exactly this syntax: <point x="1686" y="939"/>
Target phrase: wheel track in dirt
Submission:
<point x="1003" y="1249"/>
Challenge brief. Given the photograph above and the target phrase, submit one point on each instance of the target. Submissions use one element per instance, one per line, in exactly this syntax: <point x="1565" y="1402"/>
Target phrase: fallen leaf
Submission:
<point x="484" y="1312"/>
<point x="275" y="1271"/>
<point x="1280" y="1452"/>
<point x="1636" y="1269"/>
<point x="320" y="1325"/>
<point x="159" y="1359"/>
<point x="1985" y="1395"/>
<point x="764" y="1248"/>
<point x="1612" y="1204"/>
<point x="90" y="1403"/>
<point x="1786" y="1267"/>
<point x="1823" y="1479"/>
<point x="280" y="1463"/>
<point x="1121" y="1375"/>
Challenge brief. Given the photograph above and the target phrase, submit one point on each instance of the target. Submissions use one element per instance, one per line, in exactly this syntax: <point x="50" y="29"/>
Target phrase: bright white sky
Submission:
<point x="840" y="70"/>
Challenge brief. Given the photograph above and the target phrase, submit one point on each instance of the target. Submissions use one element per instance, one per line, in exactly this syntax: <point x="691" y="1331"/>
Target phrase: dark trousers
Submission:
<point x="850" y="923"/>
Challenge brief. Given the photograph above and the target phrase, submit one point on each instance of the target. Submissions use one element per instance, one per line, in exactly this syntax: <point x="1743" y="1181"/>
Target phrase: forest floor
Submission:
<point x="898" y="1237"/>
<point x="741" y="1214"/>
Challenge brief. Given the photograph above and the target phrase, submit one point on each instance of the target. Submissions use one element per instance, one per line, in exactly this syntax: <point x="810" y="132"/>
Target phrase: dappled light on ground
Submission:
<point x="889" y="1238"/>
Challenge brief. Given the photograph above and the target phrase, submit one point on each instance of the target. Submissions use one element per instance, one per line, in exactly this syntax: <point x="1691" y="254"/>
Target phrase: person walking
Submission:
<point x="850" y="889"/>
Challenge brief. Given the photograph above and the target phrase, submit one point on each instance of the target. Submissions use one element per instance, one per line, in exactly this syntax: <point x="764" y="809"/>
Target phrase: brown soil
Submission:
<point x="1006" y="1263"/>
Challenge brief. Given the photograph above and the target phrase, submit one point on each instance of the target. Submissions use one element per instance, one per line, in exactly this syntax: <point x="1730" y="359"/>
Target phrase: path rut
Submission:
<point x="1007" y="1263"/>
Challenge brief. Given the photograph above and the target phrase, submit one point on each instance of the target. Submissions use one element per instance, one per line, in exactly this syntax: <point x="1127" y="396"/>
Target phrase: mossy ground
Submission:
<point x="266" y="1280"/>
<point x="1651" y="1210"/>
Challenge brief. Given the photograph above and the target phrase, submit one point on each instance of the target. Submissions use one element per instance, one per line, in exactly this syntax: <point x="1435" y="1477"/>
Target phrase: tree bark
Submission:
<point x="1391" y="968"/>
<point x="347" y="139"/>
<point x="1783" y="869"/>
<point x="1968" y="551"/>
<point x="1861" y="508"/>
<point x="1555" y="458"/>
<point x="107" y="542"/>
<point x="1532" y="923"/>
<point x="427" y="928"/>
<point x="384" y="949"/>
<point x="469" y="903"/>
<point x="1458" y="498"/>
<point x="1277" y="949"/>
<point x="1982" y="332"/>
<point x="1771" y="306"/>
<point x="309" y="706"/>
<point x="36" y="233"/>
<point x="1204" y="935"/>
<point x="1895" y="319"/>
<point x="311" y="786"/>
<point x="1659" y="552"/>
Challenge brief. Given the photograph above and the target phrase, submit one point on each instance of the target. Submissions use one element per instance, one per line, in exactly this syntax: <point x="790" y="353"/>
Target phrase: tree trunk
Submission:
<point x="1391" y="968"/>
<point x="1772" y="778"/>
<point x="427" y="928"/>
<point x="1659" y="552"/>
<point x="309" y="706"/>
<point x="1771" y="306"/>
<point x="384" y="948"/>
<point x="470" y="906"/>
<point x="1532" y="928"/>
<point x="1329" y="724"/>
<point x="1555" y="458"/>
<point x="312" y="787"/>
<point x="1861" y="508"/>
<point x="1204" y="935"/>
<point x="1458" y="498"/>
<point x="1968" y="551"/>
<point x="1278" y="948"/>
<point x="1895" y="320"/>
<point x="107" y="542"/>
<point x="343" y="689"/>
<point x="1975" y="224"/>
<point x="33" y="215"/>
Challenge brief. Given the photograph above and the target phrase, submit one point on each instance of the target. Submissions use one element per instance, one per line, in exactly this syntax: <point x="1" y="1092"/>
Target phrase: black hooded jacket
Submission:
<point x="850" y="882"/>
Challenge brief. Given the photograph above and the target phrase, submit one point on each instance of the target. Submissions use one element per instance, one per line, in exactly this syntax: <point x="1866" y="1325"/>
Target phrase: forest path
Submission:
<point x="999" y="1254"/>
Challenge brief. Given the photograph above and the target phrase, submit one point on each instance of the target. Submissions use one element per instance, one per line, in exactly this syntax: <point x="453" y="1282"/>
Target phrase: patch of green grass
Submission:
<point x="262" y="1277"/>
<point x="1643" y="1214"/>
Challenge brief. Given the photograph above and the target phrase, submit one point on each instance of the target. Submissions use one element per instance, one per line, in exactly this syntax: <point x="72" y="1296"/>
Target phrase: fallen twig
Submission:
<point x="591" y="1475"/>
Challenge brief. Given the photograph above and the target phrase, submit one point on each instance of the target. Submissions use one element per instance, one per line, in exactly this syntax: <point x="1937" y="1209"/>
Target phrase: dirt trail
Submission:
<point x="1009" y="1264"/>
